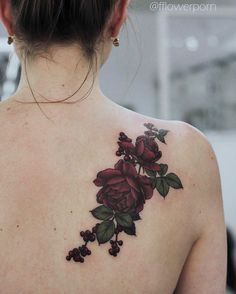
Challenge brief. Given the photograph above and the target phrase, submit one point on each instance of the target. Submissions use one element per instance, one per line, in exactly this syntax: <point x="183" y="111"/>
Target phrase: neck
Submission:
<point x="49" y="80"/>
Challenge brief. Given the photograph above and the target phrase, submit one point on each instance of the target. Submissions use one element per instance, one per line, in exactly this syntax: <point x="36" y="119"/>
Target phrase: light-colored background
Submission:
<point x="173" y="64"/>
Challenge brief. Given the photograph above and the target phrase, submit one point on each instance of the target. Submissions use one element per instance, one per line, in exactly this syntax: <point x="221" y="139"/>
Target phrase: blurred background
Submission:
<point x="177" y="60"/>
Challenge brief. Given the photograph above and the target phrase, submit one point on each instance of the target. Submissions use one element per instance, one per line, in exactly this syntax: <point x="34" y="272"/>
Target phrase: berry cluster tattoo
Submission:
<point x="124" y="190"/>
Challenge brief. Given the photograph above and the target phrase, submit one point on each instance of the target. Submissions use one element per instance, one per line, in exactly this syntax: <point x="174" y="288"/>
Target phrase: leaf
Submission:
<point x="135" y="216"/>
<point x="161" y="138"/>
<point x="163" y="132"/>
<point x="161" y="135"/>
<point x="124" y="219"/>
<point x="105" y="231"/>
<point x="102" y="212"/>
<point x="153" y="183"/>
<point x="162" y="186"/>
<point x="130" y="231"/>
<point x="173" y="181"/>
<point x="163" y="170"/>
<point x="151" y="173"/>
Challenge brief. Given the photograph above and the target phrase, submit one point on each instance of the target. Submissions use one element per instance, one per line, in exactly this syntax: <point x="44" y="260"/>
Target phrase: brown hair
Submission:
<point x="39" y="24"/>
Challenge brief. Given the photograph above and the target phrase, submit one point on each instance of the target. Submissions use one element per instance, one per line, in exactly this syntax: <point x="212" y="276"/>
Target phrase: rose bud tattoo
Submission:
<point x="124" y="190"/>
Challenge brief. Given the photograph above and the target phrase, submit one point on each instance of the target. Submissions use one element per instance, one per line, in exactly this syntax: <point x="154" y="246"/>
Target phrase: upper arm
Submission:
<point x="204" y="270"/>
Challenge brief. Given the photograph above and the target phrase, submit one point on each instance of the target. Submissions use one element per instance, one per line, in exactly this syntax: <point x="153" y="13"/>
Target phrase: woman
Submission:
<point x="95" y="197"/>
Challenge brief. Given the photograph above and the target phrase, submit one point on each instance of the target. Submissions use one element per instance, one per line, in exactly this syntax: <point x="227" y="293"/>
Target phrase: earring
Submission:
<point x="116" y="42"/>
<point x="10" y="40"/>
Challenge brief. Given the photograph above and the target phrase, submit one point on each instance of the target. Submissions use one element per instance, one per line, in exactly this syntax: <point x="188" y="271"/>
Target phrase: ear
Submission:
<point x="6" y="16"/>
<point x="119" y="16"/>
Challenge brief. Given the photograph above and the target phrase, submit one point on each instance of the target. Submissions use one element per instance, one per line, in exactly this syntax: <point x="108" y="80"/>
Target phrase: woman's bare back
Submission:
<point x="47" y="193"/>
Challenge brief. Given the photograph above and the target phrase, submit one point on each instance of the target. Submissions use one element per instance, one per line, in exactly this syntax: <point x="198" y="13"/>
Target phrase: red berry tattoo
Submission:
<point x="125" y="188"/>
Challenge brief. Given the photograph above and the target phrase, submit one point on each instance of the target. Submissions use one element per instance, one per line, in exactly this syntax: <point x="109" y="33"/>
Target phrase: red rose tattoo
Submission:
<point x="147" y="152"/>
<point x="124" y="190"/>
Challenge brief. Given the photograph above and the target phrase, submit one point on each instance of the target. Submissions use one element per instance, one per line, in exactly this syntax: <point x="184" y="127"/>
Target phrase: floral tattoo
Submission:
<point x="124" y="190"/>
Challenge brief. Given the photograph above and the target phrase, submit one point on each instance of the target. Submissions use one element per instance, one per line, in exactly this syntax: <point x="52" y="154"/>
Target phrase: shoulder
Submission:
<point x="194" y="144"/>
<point x="199" y="167"/>
<point x="197" y="159"/>
<point x="189" y="142"/>
<point x="186" y="139"/>
<point x="189" y="152"/>
<point x="193" y="154"/>
<point x="198" y="153"/>
<point x="187" y="148"/>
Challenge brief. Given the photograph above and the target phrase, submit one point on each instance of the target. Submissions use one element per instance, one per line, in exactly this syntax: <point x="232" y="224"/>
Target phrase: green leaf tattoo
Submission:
<point x="162" y="186"/>
<point x="131" y="230"/>
<point x="161" y="135"/>
<point x="135" y="216"/>
<point x="163" y="169"/>
<point x="105" y="231"/>
<point x="174" y="181"/>
<point x="151" y="173"/>
<point x="102" y="212"/>
<point x="124" y="219"/>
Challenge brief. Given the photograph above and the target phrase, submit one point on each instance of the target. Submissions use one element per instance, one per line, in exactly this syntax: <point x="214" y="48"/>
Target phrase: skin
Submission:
<point x="46" y="189"/>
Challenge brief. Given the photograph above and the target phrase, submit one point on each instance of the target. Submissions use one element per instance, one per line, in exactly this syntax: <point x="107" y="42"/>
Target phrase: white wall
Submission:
<point x="118" y="72"/>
